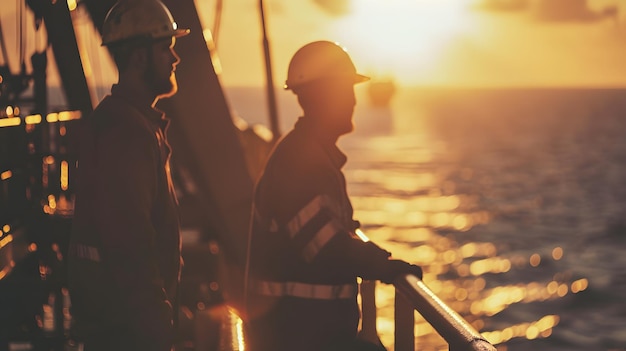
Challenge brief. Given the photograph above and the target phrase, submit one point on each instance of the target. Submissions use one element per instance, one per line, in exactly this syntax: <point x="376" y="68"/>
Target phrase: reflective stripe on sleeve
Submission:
<point x="86" y="252"/>
<point x="305" y="215"/>
<point x="270" y="225"/>
<point x="307" y="291"/>
<point x="312" y="241"/>
<point x="318" y="242"/>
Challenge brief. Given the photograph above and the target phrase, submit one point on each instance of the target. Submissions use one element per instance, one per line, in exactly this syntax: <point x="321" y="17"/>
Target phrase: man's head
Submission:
<point x="140" y="35"/>
<point x="322" y="75"/>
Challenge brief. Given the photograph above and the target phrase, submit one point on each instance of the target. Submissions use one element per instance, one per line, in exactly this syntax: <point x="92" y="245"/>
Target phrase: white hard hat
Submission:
<point x="320" y="60"/>
<point x="129" y="19"/>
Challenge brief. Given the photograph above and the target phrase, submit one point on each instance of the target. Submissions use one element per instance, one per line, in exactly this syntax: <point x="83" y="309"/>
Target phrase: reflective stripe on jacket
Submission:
<point x="84" y="252"/>
<point x="306" y="291"/>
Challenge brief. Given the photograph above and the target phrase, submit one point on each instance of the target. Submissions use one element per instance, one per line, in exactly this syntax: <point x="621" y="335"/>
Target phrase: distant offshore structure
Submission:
<point x="380" y="91"/>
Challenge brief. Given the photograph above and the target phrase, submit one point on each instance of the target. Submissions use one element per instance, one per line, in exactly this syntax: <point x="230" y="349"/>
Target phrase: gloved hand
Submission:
<point x="397" y="268"/>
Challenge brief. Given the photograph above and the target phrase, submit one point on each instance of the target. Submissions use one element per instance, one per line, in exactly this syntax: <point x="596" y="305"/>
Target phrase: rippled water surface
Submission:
<point x="513" y="201"/>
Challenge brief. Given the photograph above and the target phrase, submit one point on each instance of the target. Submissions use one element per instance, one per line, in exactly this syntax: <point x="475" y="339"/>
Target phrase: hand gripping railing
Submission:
<point x="457" y="332"/>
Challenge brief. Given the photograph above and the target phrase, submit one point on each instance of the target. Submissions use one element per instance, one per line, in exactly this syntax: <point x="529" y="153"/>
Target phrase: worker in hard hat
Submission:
<point x="124" y="255"/>
<point x="305" y="249"/>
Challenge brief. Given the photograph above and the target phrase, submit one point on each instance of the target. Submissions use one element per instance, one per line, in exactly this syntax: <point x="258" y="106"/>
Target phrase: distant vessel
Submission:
<point x="381" y="91"/>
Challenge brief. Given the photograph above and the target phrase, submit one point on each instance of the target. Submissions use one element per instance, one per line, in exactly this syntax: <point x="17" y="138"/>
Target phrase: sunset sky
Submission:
<point x="423" y="42"/>
<point x="442" y="42"/>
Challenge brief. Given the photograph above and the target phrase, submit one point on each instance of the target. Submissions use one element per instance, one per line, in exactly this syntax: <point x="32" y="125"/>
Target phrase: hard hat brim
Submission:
<point x="181" y="32"/>
<point x="360" y="78"/>
<point x="176" y="33"/>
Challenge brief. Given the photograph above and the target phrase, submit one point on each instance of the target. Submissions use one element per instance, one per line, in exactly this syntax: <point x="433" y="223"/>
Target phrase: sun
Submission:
<point x="403" y="39"/>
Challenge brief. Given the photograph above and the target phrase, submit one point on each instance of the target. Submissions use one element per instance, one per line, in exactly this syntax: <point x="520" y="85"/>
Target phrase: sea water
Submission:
<point x="512" y="200"/>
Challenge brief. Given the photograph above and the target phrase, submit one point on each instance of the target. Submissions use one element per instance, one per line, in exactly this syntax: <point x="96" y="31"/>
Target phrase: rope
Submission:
<point x="3" y="47"/>
<point x="20" y="33"/>
<point x="217" y="21"/>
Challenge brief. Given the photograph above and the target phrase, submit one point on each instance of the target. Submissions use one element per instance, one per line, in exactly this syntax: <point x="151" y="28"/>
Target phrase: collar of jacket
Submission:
<point x="153" y="115"/>
<point x="307" y="127"/>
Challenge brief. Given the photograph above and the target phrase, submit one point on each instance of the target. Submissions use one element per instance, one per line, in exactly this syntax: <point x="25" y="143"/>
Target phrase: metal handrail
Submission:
<point x="457" y="332"/>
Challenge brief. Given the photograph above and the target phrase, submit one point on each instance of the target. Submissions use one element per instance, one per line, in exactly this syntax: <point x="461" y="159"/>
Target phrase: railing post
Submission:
<point x="368" y="331"/>
<point x="404" y="315"/>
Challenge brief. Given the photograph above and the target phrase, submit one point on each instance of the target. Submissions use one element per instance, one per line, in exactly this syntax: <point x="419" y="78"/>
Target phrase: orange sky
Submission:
<point x="421" y="42"/>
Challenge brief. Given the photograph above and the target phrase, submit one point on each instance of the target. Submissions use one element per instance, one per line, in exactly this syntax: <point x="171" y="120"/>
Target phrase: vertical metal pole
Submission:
<point x="63" y="40"/>
<point x="368" y="330"/>
<point x="39" y="61"/>
<point x="271" y="96"/>
<point x="404" y="315"/>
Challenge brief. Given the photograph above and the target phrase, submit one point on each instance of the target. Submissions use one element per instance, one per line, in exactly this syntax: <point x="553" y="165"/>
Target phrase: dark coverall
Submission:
<point x="304" y="255"/>
<point x="124" y="257"/>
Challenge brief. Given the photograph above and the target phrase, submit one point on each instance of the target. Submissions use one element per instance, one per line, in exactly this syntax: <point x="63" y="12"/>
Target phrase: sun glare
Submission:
<point x="402" y="38"/>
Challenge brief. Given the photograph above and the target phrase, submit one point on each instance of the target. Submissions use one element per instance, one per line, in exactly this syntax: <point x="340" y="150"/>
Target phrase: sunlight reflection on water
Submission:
<point x="483" y="215"/>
